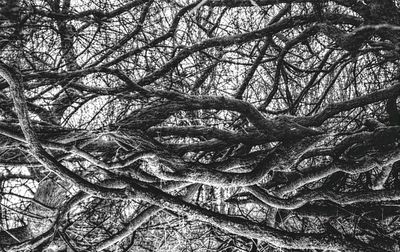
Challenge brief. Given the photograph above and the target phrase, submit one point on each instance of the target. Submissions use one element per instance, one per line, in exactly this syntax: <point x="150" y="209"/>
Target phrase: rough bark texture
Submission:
<point x="246" y="125"/>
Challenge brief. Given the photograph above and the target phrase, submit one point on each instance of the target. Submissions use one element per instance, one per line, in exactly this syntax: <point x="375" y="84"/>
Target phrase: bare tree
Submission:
<point x="225" y="125"/>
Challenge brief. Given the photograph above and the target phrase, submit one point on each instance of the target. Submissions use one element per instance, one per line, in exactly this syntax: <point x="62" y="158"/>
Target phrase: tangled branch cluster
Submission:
<point x="219" y="125"/>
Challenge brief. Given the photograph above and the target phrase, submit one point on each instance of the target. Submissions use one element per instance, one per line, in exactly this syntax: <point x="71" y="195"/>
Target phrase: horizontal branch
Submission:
<point x="335" y="108"/>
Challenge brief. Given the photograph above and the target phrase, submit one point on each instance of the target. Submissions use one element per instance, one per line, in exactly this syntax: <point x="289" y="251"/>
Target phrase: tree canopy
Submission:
<point x="210" y="125"/>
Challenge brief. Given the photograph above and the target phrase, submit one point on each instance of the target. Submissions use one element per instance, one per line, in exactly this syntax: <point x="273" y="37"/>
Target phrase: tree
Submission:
<point x="240" y="125"/>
